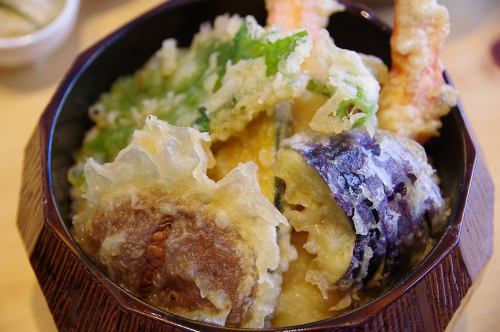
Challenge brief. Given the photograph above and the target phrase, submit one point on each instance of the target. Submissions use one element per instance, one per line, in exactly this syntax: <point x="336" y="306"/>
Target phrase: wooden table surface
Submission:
<point x="24" y="93"/>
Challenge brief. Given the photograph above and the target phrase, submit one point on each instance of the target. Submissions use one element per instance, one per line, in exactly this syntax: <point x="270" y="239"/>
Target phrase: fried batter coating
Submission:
<point x="416" y="95"/>
<point x="161" y="229"/>
<point x="293" y="14"/>
<point x="169" y="251"/>
<point x="342" y="91"/>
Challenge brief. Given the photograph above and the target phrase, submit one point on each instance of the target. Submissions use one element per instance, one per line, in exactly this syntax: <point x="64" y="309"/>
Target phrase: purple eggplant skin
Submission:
<point x="388" y="191"/>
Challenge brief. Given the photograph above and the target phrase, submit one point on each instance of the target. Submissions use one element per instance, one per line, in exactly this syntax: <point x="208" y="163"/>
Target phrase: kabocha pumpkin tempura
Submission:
<point x="244" y="181"/>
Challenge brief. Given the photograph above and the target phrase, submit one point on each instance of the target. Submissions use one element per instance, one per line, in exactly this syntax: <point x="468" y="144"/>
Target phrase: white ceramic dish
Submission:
<point x="15" y="51"/>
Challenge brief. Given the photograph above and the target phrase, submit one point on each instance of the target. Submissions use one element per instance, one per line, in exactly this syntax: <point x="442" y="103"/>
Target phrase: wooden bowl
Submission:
<point x="80" y="297"/>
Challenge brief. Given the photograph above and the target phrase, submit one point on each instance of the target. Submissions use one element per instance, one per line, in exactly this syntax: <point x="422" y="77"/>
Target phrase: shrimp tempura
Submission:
<point x="416" y="95"/>
<point x="309" y="14"/>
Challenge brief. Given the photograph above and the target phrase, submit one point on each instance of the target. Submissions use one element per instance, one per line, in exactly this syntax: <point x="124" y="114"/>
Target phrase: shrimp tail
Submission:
<point x="309" y="14"/>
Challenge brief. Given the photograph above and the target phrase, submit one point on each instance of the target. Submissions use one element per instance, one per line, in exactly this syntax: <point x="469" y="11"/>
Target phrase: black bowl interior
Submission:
<point x="127" y="49"/>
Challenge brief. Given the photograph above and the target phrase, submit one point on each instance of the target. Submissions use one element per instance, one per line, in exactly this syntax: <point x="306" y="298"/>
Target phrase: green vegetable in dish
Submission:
<point x="319" y="88"/>
<point x="350" y="86"/>
<point x="203" y="122"/>
<point x="356" y="105"/>
<point x="177" y="83"/>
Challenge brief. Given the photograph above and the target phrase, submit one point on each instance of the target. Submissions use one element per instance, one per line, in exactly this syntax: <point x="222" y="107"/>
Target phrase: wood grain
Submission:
<point x="476" y="238"/>
<point x="30" y="210"/>
<point x="76" y="299"/>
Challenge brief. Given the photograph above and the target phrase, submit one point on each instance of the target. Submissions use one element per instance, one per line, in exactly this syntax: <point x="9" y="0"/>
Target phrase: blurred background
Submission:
<point x="25" y="90"/>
